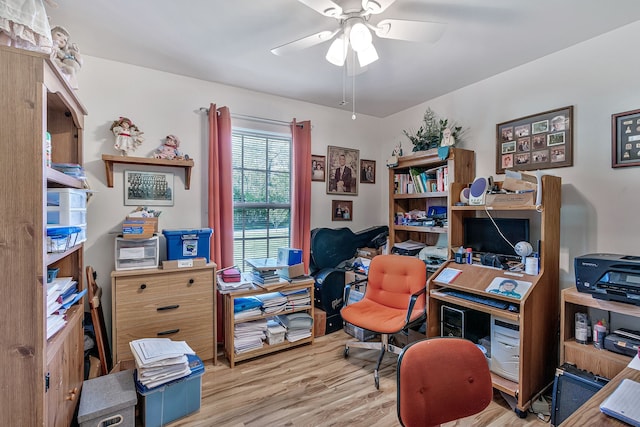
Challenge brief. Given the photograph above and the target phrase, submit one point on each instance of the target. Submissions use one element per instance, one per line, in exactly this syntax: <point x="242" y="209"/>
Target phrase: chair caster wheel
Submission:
<point x="520" y="414"/>
<point x="346" y="352"/>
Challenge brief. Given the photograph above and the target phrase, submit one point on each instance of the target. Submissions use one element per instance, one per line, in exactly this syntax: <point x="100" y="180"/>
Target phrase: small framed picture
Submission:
<point x="625" y="139"/>
<point x="341" y="210"/>
<point x="148" y="188"/>
<point x="368" y="171"/>
<point x="318" y="165"/>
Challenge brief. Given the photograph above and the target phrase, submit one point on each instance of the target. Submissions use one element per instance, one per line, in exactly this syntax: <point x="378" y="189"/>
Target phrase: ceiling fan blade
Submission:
<point x="324" y="7"/>
<point x="417" y="31"/>
<point x="304" y="43"/>
<point x="376" y="6"/>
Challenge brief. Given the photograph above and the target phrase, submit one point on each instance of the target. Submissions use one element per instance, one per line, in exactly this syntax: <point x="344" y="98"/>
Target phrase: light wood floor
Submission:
<point x="314" y="385"/>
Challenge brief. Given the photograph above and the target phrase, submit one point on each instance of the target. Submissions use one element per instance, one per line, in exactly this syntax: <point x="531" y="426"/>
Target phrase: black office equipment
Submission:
<point x="572" y="387"/>
<point x="493" y="302"/>
<point x="609" y="277"/>
<point x="482" y="236"/>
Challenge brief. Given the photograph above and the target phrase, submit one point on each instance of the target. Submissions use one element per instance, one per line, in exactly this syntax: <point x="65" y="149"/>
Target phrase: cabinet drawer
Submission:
<point x="197" y="332"/>
<point x="165" y="310"/>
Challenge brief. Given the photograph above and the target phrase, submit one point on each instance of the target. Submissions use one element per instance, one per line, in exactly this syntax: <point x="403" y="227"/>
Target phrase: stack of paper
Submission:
<point x="160" y="360"/>
<point x="265" y="270"/>
<point x="245" y="307"/>
<point x="298" y="298"/>
<point x="62" y="293"/>
<point x="298" y="325"/>
<point x="272" y="302"/>
<point x="244" y="283"/>
<point x="248" y="336"/>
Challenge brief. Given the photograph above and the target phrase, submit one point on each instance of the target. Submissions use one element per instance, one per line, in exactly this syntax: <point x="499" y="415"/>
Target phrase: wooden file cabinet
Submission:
<point x="177" y="304"/>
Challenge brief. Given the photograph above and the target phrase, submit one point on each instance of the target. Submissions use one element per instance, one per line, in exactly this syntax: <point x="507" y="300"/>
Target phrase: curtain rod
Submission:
<point x="255" y="119"/>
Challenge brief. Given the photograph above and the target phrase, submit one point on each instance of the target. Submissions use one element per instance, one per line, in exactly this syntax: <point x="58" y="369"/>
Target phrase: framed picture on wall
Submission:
<point x="368" y="171"/>
<point x="625" y="139"/>
<point x="538" y="141"/>
<point x="148" y="188"/>
<point x="341" y="210"/>
<point x="318" y="165"/>
<point x="342" y="170"/>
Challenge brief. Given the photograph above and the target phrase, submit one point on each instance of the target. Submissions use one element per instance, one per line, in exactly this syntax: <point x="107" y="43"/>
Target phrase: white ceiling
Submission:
<point x="229" y="42"/>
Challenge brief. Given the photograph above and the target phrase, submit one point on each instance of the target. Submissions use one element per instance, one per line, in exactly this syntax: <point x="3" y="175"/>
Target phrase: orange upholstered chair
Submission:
<point x="394" y="300"/>
<point x="441" y="380"/>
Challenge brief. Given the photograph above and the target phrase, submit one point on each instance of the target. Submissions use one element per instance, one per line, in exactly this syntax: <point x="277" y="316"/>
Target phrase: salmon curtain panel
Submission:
<point x="301" y="189"/>
<point x="220" y="206"/>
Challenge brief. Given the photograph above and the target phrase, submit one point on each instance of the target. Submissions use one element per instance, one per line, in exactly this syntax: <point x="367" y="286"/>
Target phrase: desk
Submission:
<point x="589" y="414"/>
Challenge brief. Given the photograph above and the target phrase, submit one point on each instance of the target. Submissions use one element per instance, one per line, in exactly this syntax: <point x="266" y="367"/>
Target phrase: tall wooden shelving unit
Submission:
<point x="538" y="316"/>
<point x="461" y="169"/>
<point x="41" y="379"/>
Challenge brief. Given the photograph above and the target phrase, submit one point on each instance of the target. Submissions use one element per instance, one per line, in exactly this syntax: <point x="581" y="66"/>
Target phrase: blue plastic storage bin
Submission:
<point x="185" y="244"/>
<point x="176" y="399"/>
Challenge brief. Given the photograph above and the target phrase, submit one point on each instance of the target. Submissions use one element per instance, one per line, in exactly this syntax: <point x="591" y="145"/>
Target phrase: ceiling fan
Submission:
<point x="355" y="28"/>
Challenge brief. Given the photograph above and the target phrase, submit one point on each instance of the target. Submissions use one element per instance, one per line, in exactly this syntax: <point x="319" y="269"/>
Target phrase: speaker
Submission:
<point x="477" y="191"/>
<point x="572" y="387"/>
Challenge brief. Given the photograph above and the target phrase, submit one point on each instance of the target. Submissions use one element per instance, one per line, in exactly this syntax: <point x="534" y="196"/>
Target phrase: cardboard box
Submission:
<point x="184" y="263"/>
<point x="351" y="276"/>
<point x="107" y="400"/>
<point x="292" y="271"/>
<point x="319" y="322"/>
<point x="368" y="253"/>
<point x="511" y="199"/>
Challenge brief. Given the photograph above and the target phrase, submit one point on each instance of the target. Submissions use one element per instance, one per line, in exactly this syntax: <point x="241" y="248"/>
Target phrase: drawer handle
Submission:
<point x="168" y="307"/>
<point x="169" y="332"/>
<point x="143" y="286"/>
<point x="191" y="281"/>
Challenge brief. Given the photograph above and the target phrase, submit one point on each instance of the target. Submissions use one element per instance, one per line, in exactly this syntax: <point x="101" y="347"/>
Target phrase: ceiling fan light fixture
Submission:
<point x="360" y="37"/>
<point x="337" y="52"/>
<point x="367" y="55"/>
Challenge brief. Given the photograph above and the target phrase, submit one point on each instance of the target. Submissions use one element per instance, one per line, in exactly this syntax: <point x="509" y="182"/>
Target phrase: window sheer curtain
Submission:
<point x="220" y="200"/>
<point x="301" y="189"/>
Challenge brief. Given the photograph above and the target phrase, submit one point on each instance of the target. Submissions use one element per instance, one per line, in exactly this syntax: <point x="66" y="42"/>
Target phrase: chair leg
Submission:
<point x="376" y="376"/>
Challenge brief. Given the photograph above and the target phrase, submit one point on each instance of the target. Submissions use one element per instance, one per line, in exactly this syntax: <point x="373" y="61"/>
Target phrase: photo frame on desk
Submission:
<point x="538" y="141"/>
<point x="625" y="139"/>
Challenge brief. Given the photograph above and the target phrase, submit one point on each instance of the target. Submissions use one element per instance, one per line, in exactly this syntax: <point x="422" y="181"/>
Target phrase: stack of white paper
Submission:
<point x="299" y="325"/>
<point x="245" y="282"/>
<point x="297" y="299"/>
<point x="272" y="302"/>
<point x="249" y="335"/>
<point x="160" y="360"/>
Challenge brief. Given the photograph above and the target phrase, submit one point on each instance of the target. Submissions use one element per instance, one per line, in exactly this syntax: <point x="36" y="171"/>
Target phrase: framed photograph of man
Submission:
<point x="317" y="168"/>
<point x="342" y="170"/>
<point x="367" y="171"/>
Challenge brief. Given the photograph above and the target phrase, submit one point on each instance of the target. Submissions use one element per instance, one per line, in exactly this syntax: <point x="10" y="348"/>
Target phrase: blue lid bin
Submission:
<point x="173" y="400"/>
<point x="185" y="244"/>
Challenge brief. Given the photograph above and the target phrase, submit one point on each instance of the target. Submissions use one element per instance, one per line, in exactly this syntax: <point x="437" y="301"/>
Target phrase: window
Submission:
<point x="261" y="194"/>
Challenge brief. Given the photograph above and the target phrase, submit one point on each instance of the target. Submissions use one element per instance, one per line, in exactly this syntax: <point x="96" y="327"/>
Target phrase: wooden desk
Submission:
<point x="589" y="414"/>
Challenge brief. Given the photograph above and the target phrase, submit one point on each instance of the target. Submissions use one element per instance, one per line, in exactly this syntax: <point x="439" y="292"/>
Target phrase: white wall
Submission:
<point x="161" y="104"/>
<point x="599" y="78"/>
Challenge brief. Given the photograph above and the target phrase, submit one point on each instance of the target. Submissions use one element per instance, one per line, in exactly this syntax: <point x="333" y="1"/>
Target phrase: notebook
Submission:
<point x="623" y="403"/>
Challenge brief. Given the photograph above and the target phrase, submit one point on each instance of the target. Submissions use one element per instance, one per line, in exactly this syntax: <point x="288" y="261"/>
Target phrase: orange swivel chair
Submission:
<point x="441" y="380"/>
<point x="394" y="300"/>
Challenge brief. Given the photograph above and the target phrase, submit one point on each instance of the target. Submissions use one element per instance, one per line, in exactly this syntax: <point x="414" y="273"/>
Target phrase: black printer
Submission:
<point x="609" y="277"/>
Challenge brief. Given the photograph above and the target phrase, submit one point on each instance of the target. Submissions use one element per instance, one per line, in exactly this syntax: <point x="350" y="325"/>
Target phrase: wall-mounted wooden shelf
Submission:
<point x="109" y="160"/>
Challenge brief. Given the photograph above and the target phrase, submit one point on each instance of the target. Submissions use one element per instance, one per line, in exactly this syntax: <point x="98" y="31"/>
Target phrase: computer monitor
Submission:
<point x="481" y="235"/>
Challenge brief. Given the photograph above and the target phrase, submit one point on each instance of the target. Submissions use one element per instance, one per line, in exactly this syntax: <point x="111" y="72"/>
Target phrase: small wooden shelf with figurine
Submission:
<point x="110" y="160"/>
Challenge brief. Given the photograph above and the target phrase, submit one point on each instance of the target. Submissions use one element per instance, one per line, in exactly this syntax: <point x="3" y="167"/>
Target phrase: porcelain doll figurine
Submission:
<point x="169" y="150"/>
<point x="128" y="136"/>
<point x="66" y="55"/>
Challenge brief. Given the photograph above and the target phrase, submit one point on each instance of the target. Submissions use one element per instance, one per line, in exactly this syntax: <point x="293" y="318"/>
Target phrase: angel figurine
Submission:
<point x="128" y="136"/>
